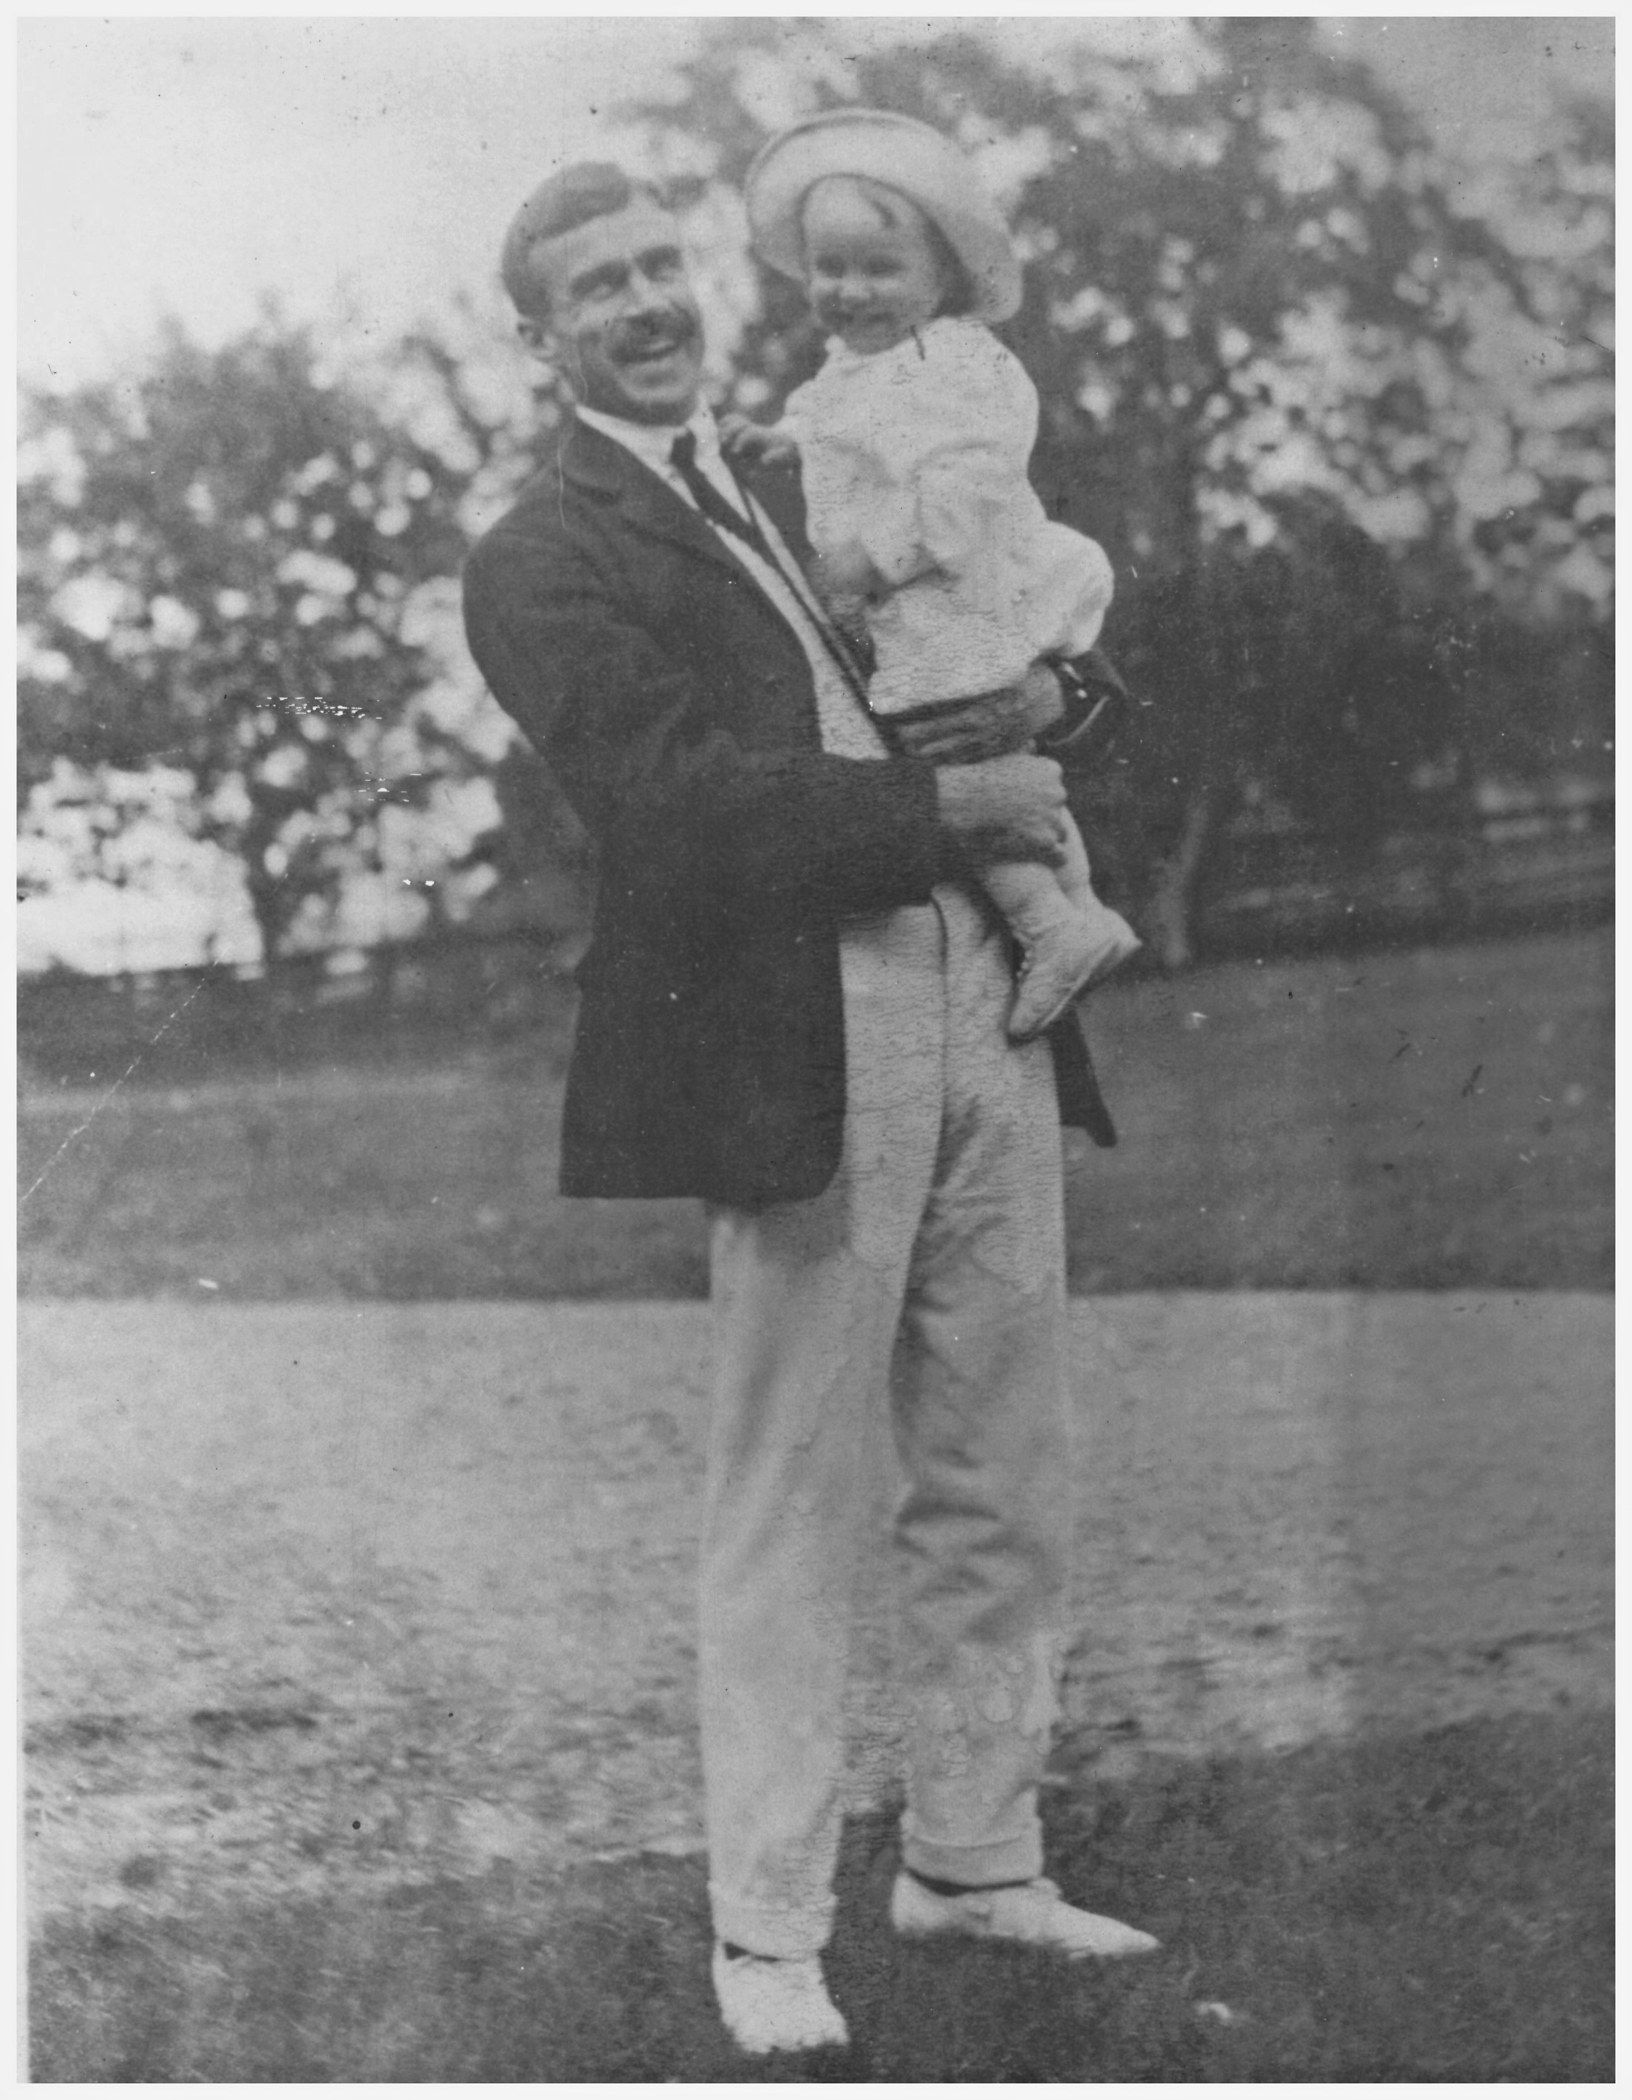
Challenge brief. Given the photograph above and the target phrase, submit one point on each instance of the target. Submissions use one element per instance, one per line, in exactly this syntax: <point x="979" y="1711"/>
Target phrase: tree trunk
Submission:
<point x="269" y="904"/>
<point x="1172" y="890"/>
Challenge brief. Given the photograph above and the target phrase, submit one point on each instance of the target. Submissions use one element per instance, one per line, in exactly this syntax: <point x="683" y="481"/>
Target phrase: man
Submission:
<point x="793" y="1007"/>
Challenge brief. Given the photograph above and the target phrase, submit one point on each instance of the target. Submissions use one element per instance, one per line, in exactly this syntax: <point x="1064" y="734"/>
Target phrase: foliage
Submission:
<point x="1286" y="676"/>
<point x="1288" y="364"/>
<point x="1340" y="411"/>
<point x="237" y="566"/>
<point x="1536" y="521"/>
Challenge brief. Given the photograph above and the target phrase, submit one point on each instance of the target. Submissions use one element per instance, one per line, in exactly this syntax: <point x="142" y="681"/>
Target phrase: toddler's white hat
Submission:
<point x="921" y="163"/>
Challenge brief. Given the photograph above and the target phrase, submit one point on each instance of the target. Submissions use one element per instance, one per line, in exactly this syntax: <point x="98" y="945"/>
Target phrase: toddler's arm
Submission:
<point x="933" y="522"/>
<point x="952" y="453"/>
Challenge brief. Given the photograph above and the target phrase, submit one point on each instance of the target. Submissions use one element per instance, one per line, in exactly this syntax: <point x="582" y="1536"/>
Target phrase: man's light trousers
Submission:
<point x="930" y="1276"/>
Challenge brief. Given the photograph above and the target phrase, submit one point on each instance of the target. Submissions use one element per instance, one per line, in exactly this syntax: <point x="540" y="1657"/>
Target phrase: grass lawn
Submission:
<point x="1427" y="1118"/>
<point x="360" y="1691"/>
<point x="1434" y="1908"/>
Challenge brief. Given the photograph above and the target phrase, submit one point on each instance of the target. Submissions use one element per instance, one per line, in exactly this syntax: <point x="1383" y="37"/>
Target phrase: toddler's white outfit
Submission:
<point x="916" y="457"/>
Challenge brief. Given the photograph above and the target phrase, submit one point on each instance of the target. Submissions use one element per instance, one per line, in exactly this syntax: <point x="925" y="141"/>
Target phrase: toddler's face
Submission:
<point x="871" y="269"/>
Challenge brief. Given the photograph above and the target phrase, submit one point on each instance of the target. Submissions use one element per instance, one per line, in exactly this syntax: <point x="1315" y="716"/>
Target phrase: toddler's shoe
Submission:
<point x="1025" y="1914"/>
<point x="1063" y="963"/>
<point x="768" y="2004"/>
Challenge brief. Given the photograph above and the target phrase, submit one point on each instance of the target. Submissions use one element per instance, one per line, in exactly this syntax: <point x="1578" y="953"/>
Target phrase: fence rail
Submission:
<point x="1541" y="871"/>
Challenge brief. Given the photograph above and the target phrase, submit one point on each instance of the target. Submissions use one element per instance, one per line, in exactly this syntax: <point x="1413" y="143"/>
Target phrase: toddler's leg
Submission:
<point x="1108" y="927"/>
<point x="1071" y="939"/>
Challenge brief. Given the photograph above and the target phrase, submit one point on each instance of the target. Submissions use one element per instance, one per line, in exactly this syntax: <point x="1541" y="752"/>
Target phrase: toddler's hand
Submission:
<point x="753" y="445"/>
<point x="845" y="573"/>
<point x="848" y="614"/>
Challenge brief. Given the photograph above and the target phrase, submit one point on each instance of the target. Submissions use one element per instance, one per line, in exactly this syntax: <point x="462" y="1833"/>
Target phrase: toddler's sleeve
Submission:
<point x="956" y="449"/>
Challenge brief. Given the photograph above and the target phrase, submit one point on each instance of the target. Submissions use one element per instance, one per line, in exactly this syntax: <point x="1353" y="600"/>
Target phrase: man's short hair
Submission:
<point x="591" y="189"/>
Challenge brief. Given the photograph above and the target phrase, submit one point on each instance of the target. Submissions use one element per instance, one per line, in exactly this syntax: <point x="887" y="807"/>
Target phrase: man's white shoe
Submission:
<point x="776" y="2004"/>
<point x="1026" y="1914"/>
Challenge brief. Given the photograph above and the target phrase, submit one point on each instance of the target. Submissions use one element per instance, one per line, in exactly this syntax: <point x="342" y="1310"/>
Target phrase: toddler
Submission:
<point x="913" y="441"/>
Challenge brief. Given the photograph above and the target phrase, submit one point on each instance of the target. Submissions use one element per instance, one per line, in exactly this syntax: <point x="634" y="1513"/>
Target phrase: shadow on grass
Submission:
<point x="1432" y="1908"/>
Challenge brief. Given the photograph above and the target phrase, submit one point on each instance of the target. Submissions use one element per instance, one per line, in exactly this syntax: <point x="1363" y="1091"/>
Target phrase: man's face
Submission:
<point x="623" y="322"/>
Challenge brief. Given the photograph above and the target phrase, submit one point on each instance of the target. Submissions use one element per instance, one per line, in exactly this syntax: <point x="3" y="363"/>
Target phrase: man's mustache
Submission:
<point x="674" y="331"/>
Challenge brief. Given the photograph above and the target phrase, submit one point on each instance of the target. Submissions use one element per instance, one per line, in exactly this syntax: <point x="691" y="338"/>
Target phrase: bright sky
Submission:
<point x="193" y="162"/>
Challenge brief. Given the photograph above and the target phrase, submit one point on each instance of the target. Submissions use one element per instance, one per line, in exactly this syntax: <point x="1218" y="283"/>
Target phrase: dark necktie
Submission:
<point x="708" y="499"/>
<point x="724" y="515"/>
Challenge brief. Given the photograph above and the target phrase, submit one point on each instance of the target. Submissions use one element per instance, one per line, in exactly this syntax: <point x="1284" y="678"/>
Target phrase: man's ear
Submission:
<point x="539" y="341"/>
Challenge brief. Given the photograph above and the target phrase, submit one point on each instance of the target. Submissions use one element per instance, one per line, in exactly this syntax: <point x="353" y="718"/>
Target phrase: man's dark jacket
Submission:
<point x="677" y="710"/>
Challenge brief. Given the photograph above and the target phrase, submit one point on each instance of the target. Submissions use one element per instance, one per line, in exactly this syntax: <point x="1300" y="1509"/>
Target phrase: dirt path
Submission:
<point x="393" y="1590"/>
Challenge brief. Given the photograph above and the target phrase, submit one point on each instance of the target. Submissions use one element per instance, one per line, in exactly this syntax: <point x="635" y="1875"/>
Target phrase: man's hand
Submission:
<point x="989" y="724"/>
<point x="1005" y="809"/>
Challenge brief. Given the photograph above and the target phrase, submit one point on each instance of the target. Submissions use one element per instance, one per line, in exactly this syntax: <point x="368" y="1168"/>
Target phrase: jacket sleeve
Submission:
<point x="671" y="797"/>
<point x="1097" y="705"/>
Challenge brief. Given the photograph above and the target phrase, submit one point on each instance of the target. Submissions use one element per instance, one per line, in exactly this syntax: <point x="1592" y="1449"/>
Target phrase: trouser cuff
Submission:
<point x="974" y="1866"/>
<point x="783" y="1935"/>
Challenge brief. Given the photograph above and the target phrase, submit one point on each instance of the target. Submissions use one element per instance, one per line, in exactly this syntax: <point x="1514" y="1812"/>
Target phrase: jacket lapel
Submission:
<point x="608" y="470"/>
<point x="611" y="473"/>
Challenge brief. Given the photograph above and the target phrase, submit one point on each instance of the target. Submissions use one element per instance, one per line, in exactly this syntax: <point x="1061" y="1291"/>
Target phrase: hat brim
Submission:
<point x="904" y="155"/>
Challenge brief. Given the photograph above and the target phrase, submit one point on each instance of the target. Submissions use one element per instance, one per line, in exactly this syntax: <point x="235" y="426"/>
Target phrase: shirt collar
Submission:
<point x="910" y="347"/>
<point x="651" y="443"/>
